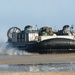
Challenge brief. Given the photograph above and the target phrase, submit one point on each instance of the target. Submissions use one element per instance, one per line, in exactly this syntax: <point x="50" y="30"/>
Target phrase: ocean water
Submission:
<point x="47" y="67"/>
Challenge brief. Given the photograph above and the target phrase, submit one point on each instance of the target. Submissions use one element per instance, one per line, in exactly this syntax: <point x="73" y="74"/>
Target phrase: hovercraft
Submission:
<point x="43" y="40"/>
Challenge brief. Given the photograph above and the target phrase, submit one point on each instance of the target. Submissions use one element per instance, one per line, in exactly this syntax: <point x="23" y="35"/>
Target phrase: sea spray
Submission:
<point x="7" y="49"/>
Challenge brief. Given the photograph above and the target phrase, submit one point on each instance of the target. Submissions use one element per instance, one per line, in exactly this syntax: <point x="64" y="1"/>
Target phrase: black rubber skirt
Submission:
<point x="53" y="45"/>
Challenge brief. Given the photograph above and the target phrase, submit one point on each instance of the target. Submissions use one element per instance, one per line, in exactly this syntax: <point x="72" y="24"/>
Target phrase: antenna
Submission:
<point x="36" y="26"/>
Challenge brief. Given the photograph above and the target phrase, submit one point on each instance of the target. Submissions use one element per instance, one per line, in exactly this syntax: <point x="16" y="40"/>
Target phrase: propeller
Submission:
<point x="13" y="30"/>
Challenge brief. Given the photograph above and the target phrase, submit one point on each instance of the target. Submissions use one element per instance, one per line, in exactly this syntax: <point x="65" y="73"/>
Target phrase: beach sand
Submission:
<point x="36" y="58"/>
<point x="37" y="73"/>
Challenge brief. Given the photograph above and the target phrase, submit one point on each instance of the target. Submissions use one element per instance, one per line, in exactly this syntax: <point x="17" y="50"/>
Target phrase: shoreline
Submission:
<point x="37" y="58"/>
<point x="37" y="73"/>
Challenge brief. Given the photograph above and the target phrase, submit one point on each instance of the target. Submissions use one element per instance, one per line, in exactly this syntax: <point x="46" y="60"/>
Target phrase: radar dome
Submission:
<point x="28" y="27"/>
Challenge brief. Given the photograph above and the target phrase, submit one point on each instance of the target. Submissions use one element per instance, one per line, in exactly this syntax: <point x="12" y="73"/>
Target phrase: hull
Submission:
<point x="49" y="46"/>
<point x="53" y="45"/>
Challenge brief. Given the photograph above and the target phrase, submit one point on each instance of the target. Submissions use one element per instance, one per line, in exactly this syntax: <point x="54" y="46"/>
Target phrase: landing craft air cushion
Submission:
<point x="43" y="40"/>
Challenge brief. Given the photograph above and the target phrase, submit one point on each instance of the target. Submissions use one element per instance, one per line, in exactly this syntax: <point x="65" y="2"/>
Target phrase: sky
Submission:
<point x="51" y="13"/>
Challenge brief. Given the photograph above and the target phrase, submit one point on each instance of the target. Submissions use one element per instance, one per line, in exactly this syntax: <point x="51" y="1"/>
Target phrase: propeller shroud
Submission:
<point x="13" y="30"/>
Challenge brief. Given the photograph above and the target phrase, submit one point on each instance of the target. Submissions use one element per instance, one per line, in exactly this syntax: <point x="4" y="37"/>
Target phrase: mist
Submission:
<point x="7" y="49"/>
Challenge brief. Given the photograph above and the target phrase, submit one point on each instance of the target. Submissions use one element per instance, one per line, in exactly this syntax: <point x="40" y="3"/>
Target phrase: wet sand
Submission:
<point x="38" y="73"/>
<point x="37" y="58"/>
